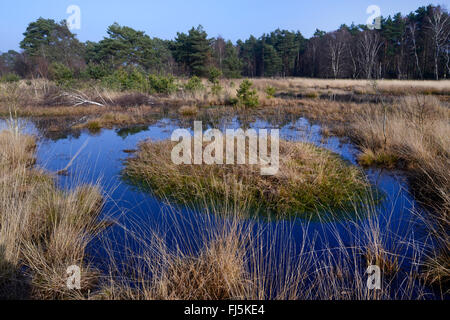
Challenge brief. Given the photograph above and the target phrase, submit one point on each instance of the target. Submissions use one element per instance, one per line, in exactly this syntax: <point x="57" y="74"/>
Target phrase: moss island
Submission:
<point x="310" y="179"/>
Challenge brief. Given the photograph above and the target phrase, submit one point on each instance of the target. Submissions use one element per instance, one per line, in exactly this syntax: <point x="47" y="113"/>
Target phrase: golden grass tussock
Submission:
<point x="17" y="150"/>
<point x="375" y="252"/>
<point x="309" y="179"/>
<point x="43" y="230"/>
<point x="369" y="158"/>
<point x="120" y="118"/>
<point x="218" y="272"/>
<point x="188" y="111"/>
<point x="228" y="260"/>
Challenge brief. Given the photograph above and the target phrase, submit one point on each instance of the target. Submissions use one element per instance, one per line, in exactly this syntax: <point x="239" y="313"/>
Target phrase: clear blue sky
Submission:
<point x="233" y="19"/>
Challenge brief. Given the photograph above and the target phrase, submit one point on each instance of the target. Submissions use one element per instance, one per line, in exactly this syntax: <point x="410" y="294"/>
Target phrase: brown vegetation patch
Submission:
<point x="309" y="179"/>
<point x="43" y="230"/>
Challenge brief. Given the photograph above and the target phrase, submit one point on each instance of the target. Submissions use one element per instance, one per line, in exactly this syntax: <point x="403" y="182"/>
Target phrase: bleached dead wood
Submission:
<point x="78" y="99"/>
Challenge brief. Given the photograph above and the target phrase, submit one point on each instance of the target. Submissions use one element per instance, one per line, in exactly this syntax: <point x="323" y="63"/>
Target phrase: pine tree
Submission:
<point x="232" y="65"/>
<point x="193" y="50"/>
<point x="272" y="62"/>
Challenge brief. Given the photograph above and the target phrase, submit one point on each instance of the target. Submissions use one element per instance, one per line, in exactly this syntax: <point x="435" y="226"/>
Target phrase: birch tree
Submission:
<point x="412" y="32"/>
<point x="369" y="44"/>
<point x="438" y="24"/>
<point x="336" y="44"/>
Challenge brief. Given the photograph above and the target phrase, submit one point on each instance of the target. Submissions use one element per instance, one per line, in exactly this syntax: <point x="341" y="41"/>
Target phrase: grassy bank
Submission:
<point x="385" y="87"/>
<point x="413" y="135"/>
<point x="33" y="95"/>
<point x="100" y="106"/>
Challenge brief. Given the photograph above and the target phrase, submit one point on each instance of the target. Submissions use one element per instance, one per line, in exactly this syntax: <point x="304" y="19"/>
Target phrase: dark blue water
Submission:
<point x="101" y="160"/>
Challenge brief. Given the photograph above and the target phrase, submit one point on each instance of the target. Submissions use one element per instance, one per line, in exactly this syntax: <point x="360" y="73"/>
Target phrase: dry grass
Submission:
<point x="135" y="116"/>
<point x="188" y="111"/>
<point x="218" y="272"/>
<point x="315" y="98"/>
<point x="17" y="150"/>
<point x="43" y="230"/>
<point x="235" y="259"/>
<point x="33" y="95"/>
<point x="395" y="87"/>
<point x="413" y="134"/>
<point x="368" y="158"/>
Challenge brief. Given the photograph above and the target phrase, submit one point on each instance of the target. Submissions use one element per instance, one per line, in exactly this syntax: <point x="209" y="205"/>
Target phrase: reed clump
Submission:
<point x="121" y="118"/>
<point x="43" y="230"/>
<point x="238" y="259"/>
<point x="413" y="135"/>
<point x="188" y="111"/>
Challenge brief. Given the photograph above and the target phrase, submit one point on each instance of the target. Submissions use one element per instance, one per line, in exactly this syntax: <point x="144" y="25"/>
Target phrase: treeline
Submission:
<point x="416" y="46"/>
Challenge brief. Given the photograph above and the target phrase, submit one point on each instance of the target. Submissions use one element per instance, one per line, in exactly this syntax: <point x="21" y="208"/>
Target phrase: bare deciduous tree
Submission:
<point x="412" y="28"/>
<point x="219" y="49"/>
<point x="336" y="44"/>
<point x="352" y="51"/>
<point x="439" y="27"/>
<point x="369" y="44"/>
<point x="447" y="59"/>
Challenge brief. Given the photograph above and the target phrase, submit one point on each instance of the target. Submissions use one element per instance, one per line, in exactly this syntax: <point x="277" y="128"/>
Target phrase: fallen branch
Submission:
<point x="79" y="99"/>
